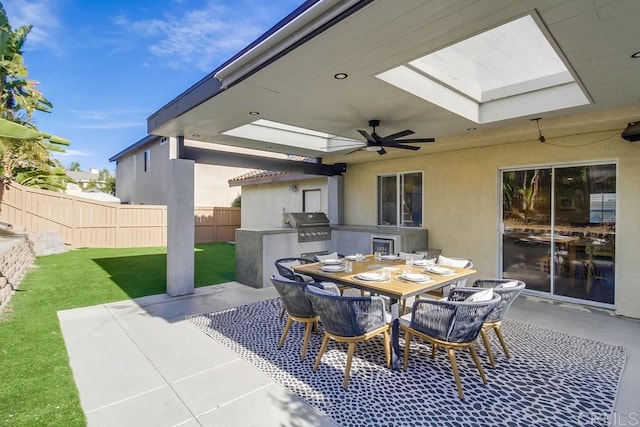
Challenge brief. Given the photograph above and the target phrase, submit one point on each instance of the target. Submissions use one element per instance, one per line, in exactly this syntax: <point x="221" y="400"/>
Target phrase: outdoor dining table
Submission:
<point x="395" y="288"/>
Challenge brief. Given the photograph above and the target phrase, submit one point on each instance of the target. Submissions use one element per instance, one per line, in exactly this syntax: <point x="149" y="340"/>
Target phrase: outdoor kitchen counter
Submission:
<point x="257" y="249"/>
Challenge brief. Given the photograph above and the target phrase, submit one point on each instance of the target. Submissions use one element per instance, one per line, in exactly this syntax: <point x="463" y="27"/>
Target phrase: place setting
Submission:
<point x="373" y="276"/>
<point x="442" y="271"/>
<point x="409" y="276"/>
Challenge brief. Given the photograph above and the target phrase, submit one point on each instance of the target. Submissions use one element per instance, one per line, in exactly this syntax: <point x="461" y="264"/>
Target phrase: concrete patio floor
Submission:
<point x="139" y="363"/>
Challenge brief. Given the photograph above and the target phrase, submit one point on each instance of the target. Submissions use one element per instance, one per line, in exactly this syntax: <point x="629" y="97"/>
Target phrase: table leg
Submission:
<point x="396" y="363"/>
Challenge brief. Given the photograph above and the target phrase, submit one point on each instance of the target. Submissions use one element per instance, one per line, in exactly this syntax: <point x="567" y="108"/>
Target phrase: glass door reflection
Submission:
<point x="559" y="230"/>
<point x="526" y="217"/>
<point x="585" y="211"/>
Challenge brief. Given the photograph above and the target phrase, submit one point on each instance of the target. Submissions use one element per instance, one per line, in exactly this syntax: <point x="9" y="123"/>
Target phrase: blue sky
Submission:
<point x="108" y="65"/>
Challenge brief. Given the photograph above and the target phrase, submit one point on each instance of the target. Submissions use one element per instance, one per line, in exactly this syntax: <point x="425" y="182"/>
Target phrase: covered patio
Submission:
<point x="309" y="87"/>
<point x="547" y="110"/>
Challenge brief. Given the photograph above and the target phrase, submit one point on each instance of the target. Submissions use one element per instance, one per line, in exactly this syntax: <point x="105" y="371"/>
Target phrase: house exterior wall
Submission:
<point x="136" y="186"/>
<point x="263" y="204"/>
<point x="461" y="201"/>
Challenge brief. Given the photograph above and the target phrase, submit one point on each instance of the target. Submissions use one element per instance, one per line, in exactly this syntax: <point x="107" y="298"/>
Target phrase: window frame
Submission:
<point x="400" y="180"/>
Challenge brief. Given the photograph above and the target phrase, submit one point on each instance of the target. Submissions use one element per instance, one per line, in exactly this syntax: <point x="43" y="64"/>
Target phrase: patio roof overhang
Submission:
<point x="288" y="77"/>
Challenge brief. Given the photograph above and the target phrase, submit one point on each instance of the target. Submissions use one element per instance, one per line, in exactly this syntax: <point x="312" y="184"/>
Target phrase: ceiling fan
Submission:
<point x="377" y="143"/>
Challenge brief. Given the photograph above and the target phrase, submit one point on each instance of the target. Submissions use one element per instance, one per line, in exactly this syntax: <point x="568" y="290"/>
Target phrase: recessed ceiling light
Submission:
<point x="254" y="113"/>
<point x="636" y="55"/>
<point x="340" y="76"/>
<point x="195" y="135"/>
<point x="471" y="129"/>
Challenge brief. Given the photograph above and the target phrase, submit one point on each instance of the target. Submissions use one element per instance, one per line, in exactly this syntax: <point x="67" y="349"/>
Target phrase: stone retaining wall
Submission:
<point x="16" y="256"/>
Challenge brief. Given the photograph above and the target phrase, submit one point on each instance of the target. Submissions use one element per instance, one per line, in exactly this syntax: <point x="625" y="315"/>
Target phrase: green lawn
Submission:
<point x="36" y="384"/>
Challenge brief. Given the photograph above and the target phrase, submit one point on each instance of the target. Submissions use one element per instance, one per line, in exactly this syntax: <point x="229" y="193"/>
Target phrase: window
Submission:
<point x="400" y="199"/>
<point x="147" y="160"/>
<point x="311" y="201"/>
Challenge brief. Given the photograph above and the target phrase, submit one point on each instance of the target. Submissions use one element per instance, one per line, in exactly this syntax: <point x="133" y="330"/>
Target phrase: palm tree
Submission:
<point x="23" y="148"/>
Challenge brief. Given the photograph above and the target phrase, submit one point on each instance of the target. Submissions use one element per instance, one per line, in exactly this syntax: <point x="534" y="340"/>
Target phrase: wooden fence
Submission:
<point x="87" y="223"/>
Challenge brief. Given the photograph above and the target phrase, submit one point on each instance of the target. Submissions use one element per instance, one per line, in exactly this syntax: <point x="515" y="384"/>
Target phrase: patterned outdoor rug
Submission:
<point x="551" y="379"/>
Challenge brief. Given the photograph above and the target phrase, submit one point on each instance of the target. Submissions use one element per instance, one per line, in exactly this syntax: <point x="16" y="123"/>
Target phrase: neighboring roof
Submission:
<point x="82" y="176"/>
<point x="141" y="143"/>
<point x="97" y="196"/>
<point x="266" y="177"/>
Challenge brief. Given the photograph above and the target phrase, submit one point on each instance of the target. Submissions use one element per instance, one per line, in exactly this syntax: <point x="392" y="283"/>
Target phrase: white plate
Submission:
<point x="415" y="277"/>
<point x="355" y="258"/>
<point x="420" y="262"/>
<point x="440" y="270"/>
<point x="389" y="257"/>
<point x="332" y="268"/>
<point x="372" y="277"/>
<point x="426" y="279"/>
<point x="331" y="261"/>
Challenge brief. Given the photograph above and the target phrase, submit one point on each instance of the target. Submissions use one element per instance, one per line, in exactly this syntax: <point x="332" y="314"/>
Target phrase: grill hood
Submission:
<point x="305" y="219"/>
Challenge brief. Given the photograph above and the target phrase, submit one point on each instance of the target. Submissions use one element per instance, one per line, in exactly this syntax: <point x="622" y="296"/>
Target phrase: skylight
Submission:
<point x="283" y="134"/>
<point x="509" y="71"/>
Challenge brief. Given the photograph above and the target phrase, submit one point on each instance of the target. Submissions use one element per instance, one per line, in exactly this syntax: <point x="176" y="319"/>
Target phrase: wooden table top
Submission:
<point x="393" y="288"/>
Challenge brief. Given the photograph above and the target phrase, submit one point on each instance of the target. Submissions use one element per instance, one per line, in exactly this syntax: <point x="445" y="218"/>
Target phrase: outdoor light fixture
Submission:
<point x="293" y="188"/>
<point x="540" y="137"/>
<point x="340" y="76"/>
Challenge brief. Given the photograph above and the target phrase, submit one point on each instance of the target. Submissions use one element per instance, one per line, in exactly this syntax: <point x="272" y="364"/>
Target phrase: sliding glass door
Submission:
<point x="558" y="230"/>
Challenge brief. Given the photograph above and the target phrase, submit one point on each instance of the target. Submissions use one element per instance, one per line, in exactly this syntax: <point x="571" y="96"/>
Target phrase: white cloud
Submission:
<point x="42" y="15"/>
<point x="111" y="125"/>
<point x="201" y="38"/>
<point x="73" y="153"/>
<point x="117" y="118"/>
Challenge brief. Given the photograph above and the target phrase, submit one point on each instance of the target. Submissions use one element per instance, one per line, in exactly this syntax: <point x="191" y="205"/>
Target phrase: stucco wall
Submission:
<point x="150" y="188"/>
<point x="461" y="204"/>
<point x="262" y="205"/>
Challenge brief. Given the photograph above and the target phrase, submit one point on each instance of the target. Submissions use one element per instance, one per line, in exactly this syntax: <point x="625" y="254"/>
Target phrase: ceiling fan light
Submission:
<point x="373" y="148"/>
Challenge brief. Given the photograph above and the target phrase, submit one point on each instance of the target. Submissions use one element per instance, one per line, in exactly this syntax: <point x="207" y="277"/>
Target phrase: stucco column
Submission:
<point x="180" y="228"/>
<point x="335" y="199"/>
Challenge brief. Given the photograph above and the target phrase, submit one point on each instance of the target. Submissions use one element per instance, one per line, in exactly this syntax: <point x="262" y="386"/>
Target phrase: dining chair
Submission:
<point x="283" y="267"/>
<point x="454" y="325"/>
<point x="350" y="320"/>
<point x="299" y="307"/>
<point x="455" y="262"/>
<point x="332" y="255"/>
<point x="508" y="289"/>
<point x="450" y="262"/>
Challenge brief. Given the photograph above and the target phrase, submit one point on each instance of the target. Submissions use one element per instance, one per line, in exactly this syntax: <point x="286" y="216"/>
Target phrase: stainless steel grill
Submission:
<point x="311" y="226"/>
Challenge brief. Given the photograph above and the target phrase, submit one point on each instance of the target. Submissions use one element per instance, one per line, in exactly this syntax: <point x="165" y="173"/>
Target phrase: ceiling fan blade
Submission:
<point x="397" y="135"/>
<point x="417" y="140"/>
<point x="406" y="147"/>
<point x="367" y="136"/>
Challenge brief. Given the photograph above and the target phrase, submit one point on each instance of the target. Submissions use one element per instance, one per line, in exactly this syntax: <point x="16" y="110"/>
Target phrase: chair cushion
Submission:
<point x="511" y="284"/>
<point x="290" y="264"/>
<point x="405" y="320"/>
<point x="333" y="255"/>
<point x="460" y="263"/>
<point x="407" y="255"/>
<point x="330" y="287"/>
<point x="485" y="295"/>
